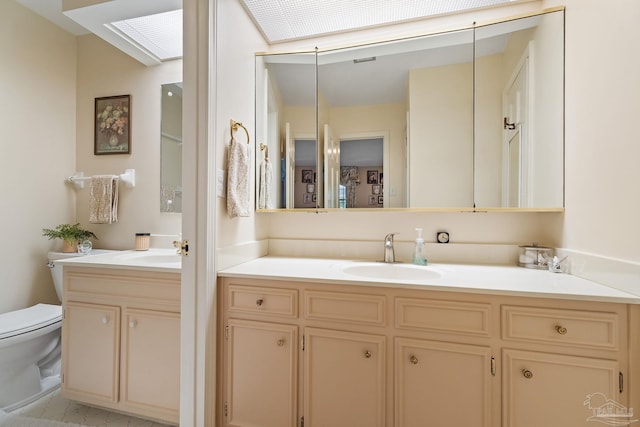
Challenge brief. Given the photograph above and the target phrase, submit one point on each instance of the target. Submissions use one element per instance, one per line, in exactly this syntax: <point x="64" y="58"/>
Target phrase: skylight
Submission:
<point x="159" y="34"/>
<point x="281" y="20"/>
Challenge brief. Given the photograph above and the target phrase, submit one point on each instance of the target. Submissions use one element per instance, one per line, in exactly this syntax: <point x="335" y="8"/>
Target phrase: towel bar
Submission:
<point x="128" y="178"/>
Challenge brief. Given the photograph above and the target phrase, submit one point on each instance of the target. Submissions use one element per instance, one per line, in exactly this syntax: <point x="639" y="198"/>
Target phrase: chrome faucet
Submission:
<point x="389" y="253"/>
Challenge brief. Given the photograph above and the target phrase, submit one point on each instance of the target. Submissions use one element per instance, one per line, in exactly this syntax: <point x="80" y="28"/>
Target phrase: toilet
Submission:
<point x="30" y="346"/>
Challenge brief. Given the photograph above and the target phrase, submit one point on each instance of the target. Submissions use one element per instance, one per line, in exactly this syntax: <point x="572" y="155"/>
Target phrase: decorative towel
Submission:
<point x="264" y="199"/>
<point x="103" y="199"/>
<point x="238" y="179"/>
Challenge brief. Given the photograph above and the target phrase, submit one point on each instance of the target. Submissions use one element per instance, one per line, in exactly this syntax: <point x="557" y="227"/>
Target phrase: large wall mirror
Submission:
<point x="171" y="148"/>
<point x="461" y="120"/>
<point x="286" y="127"/>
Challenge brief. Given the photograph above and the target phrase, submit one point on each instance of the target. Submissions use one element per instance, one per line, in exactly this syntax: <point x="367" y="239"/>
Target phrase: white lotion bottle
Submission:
<point x="420" y="251"/>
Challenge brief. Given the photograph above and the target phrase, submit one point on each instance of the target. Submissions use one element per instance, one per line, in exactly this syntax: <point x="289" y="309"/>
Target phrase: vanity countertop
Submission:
<point x="486" y="279"/>
<point x="155" y="259"/>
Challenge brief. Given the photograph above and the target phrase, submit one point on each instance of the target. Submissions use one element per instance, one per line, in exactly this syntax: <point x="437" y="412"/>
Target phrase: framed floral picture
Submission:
<point x="112" y="125"/>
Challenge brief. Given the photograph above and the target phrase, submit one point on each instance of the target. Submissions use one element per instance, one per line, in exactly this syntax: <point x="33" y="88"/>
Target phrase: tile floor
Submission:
<point x="55" y="408"/>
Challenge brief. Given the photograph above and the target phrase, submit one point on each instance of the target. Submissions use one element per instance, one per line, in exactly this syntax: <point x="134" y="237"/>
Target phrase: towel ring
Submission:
<point x="234" y="127"/>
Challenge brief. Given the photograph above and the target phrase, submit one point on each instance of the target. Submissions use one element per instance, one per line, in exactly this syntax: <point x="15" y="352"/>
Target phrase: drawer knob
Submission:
<point x="561" y="329"/>
<point x="413" y="360"/>
<point x="367" y="354"/>
<point x="280" y="342"/>
<point x="527" y="373"/>
<point x="133" y="323"/>
<point x="259" y="302"/>
<point x="105" y="320"/>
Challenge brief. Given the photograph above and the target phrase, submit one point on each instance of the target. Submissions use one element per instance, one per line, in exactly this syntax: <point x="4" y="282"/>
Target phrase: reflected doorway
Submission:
<point x="361" y="173"/>
<point x="305" y="176"/>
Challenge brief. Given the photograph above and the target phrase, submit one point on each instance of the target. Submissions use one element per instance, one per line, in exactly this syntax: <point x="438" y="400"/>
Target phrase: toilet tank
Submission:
<point x="56" y="270"/>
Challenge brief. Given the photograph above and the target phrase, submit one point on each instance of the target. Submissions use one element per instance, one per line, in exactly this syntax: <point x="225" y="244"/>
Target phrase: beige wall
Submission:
<point x="516" y="228"/>
<point x="490" y="82"/>
<point x="602" y="149"/>
<point x="238" y="40"/>
<point x="441" y="135"/>
<point x="104" y="70"/>
<point x="37" y="118"/>
<point x="602" y="155"/>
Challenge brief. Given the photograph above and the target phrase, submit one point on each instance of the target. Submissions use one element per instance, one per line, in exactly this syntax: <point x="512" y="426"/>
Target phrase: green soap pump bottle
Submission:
<point x="419" y="252"/>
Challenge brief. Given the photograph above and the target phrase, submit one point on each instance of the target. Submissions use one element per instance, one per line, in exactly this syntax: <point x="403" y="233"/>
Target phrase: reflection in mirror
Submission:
<point x="286" y="124"/>
<point x="171" y="148"/>
<point x="379" y="90"/>
<point x="417" y="94"/>
<point x="440" y="157"/>
<point x="520" y="113"/>
<point x="305" y="175"/>
<point x="361" y="182"/>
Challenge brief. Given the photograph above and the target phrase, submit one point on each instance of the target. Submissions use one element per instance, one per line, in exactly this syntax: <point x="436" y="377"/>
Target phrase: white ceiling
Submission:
<point x="281" y="20"/>
<point x="278" y="20"/>
<point x="98" y="15"/>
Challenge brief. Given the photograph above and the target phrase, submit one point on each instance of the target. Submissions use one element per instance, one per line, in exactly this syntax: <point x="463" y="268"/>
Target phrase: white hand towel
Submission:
<point x="267" y="183"/>
<point x="238" y="179"/>
<point x="264" y="197"/>
<point x="103" y="199"/>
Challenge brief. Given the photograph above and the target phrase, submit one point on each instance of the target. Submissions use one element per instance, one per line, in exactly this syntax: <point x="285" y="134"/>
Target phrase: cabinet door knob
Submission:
<point x="280" y="342"/>
<point x="561" y="329"/>
<point x="133" y="323"/>
<point x="413" y="360"/>
<point x="527" y="373"/>
<point x="105" y="320"/>
<point x="367" y="354"/>
<point x="259" y="302"/>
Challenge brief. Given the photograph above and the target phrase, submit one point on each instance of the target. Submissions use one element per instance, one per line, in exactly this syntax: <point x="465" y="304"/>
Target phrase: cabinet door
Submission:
<point x="261" y="374"/>
<point x="442" y="384"/>
<point x="344" y="379"/>
<point x="150" y="378"/>
<point x="543" y="389"/>
<point x="90" y="351"/>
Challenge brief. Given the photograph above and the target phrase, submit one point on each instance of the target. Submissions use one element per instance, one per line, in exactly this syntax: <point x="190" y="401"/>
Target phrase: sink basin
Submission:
<point x="149" y="258"/>
<point x="375" y="270"/>
<point x="159" y="259"/>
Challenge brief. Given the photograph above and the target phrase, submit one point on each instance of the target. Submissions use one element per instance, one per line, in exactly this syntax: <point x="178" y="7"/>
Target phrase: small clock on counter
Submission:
<point x="442" y="237"/>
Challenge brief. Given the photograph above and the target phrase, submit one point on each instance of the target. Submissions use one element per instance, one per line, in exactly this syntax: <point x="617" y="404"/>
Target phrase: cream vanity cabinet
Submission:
<point x="434" y="378"/>
<point x="121" y="340"/>
<point x="353" y="355"/>
<point x="351" y="358"/>
<point x="555" y="359"/>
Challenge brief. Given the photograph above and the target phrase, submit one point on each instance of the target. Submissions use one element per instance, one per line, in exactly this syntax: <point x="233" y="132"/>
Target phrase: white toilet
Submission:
<point x="30" y="346"/>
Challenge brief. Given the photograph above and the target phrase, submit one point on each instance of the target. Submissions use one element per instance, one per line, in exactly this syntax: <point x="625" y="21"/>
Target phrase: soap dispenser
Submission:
<point x="420" y="252"/>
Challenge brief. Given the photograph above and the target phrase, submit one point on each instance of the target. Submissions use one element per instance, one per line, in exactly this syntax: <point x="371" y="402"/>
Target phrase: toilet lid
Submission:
<point x="28" y="319"/>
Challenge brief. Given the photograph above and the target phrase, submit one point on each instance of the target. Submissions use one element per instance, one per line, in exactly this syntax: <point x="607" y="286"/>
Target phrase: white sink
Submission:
<point x="153" y="258"/>
<point x="379" y="270"/>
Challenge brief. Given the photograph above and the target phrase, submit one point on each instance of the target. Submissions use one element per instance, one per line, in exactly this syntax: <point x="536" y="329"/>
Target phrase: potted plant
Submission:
<point x="71" y="235"/>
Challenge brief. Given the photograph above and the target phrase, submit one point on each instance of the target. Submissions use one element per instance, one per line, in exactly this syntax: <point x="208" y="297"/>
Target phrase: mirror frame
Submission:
<point x="473" y="208"/>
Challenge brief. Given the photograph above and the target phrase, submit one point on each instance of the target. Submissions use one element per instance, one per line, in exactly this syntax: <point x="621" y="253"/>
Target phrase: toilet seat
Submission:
<point x="29" y="319"/>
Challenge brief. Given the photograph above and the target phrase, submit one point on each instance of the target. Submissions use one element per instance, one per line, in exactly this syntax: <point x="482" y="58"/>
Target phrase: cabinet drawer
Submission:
<point x="259" y="300"/>
<point x="444" y="316"/>
<point x="345" y="307"/>
<point x="565" y="327"/>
